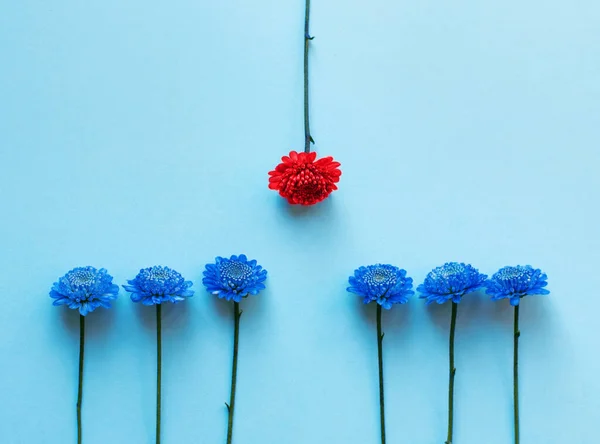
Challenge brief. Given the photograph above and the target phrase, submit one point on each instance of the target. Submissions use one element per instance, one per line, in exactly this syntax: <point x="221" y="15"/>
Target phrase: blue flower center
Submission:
<point x="380" y="276"/>
<point x="82" y="278"/>
<point x="235" y="271"/>
<point x="510" y="273"/>
<point x="448" y="271"/>
<point x="159" y="274"/>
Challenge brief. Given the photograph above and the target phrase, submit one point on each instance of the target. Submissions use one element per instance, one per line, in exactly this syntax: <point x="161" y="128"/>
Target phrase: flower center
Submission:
<point x="159" y="274"/>
<point x="449" y="270"/>
<point x="81" y="278"/>
<point x="510" y="273"/>
<point x="236" y="270"/>
<point x="379" y="276"/>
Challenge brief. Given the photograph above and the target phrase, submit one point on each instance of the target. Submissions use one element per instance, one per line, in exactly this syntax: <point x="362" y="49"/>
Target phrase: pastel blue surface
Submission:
<point x="140" y="133"/>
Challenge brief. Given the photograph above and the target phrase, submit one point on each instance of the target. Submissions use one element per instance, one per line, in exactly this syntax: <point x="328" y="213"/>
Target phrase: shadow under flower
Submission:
<point x="535" y="312"/>
<point x="254" y="310"/>
<point x="223" y="308"/>
<point x="395" y="319"/>
<point x="305" y="211"/>
<point x="100" y="323"/>
<point x="70" y="319"/>
<point x="174" y="316"/>
<point x="467" y="315"/>
<point x="394" y="323"/>
<point x="97" y="323"/>
<point x="539" y="325"/>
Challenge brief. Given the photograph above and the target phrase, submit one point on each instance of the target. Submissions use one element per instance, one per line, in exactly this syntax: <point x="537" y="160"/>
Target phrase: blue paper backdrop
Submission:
<point x="137" y="133"/>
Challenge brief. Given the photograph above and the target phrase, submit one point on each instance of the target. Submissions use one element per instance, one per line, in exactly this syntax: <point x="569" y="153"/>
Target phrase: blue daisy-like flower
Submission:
<point x="517" y="282"/>
<point x="451" y="281"/>
<point x="234" y="278"/>
<point x="383" y="283"/>
<point x="84" y="289"/>
<point x="155" y="285"/>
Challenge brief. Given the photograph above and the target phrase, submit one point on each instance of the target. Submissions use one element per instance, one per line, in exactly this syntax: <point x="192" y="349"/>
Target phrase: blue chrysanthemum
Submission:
<point x="384" y="283"/>
<point x="451" y="281"/>
<point x="517" y="282"/>
<point x="234" y="278"/>
<point x="158" y="284"/>
<point x="84" y="289"/>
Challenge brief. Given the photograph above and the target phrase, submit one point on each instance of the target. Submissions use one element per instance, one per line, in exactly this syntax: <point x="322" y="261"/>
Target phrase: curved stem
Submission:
<point x="516" y="373"/>
<point x="158" y="369"/>
<point x="307" y="38"/>
<point x="380" y="355"/>
<point x="80" y="389"/>
<point x="236" y="338"/>
<point x="452" y="374"/>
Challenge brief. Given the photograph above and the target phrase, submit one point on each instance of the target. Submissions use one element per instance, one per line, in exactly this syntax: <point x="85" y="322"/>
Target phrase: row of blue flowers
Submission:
<point x="87" y="288"/>
<point x="388" y="285"/>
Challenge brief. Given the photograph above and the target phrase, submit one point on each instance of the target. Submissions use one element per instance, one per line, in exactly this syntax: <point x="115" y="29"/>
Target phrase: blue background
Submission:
<point x="137" y="133"/>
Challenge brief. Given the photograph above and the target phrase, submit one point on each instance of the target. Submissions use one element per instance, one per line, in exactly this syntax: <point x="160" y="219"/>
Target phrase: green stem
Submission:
<point x="516" y="374"/>
<point x="80" y="389"/>
<point x="158" y="369"/>
<point x="236" y="338"/>
<point x="452" y="374"/>
<point x="380" y="355"/>
<point x="307" y="38"/>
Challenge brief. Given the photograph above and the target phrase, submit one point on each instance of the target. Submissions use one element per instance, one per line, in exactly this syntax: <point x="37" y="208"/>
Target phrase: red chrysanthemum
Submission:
<point x="304" y="181"/>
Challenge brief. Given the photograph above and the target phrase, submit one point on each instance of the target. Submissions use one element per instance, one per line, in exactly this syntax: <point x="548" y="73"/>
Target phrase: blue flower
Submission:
<point x="451" y="282"/>
<point x="85" y="289"/>
<point x="158" y="284"/>
<point x="234" y="278"/>
<point x="383" y="283"/>
<point x="517" y="282"/>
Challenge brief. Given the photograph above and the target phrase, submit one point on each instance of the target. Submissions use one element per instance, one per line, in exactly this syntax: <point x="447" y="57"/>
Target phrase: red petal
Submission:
<point x="303" y="158"/>
<point x="324" y="160"/>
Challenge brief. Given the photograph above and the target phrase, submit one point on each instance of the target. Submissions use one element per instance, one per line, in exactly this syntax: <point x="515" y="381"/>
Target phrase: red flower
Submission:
<point x="303" y="181"/>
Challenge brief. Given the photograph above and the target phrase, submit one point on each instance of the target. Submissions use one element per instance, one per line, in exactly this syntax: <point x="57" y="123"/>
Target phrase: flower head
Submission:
<point x="234" y="278"/>
<point x="155" y="285"/>
<point x="383" y="283"/>
<point x="302" y="180"/>
<point x="517" y="282"/>
<point x="451" y="281"/>
<point x="84" y="289"/>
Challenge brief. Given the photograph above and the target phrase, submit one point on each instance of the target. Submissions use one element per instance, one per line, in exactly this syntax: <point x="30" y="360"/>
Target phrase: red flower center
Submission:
<point x="304" y="181"/>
